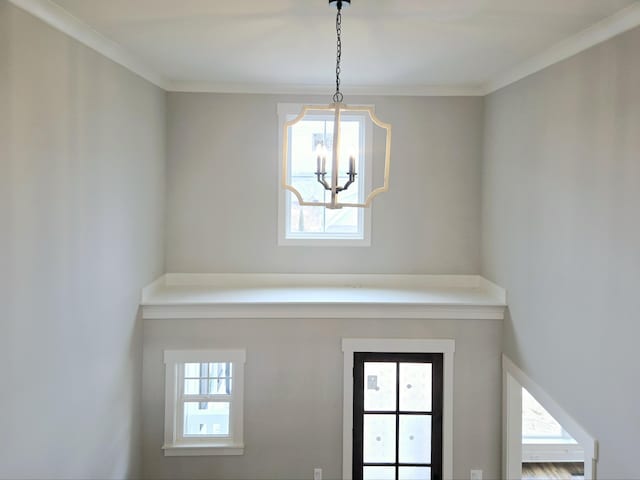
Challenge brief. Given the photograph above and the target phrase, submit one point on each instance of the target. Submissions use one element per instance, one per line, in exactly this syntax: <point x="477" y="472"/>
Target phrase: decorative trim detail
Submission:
<point x="274" y="89"/>
<point x="60" y="19"/>
<point x="618" y="23"/>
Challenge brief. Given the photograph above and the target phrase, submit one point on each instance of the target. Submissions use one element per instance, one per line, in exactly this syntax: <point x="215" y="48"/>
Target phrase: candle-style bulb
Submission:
<point x="319" y="158"/>
<point x="352" y="161"/>
<point x="323" y="154"/>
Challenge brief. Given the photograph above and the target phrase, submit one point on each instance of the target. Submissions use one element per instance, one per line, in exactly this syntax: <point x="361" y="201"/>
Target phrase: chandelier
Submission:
<point x="335" y="168"/>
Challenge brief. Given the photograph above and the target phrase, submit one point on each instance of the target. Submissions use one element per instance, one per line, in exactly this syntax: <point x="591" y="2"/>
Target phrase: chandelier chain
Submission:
<point x="337" y="97"/>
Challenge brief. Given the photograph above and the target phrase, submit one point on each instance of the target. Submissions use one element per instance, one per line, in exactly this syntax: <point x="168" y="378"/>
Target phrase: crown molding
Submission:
<point x="599" y="32"/>
<point x="411" y="90"/>
<point x="60" y="19"/>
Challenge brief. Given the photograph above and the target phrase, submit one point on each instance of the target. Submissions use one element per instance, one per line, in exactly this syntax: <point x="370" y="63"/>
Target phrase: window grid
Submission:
<point x="203" y="398"/>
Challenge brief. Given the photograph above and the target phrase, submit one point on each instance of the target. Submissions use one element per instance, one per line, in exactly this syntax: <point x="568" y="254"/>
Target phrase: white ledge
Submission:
<point x="190" y="296"/>
<point x="200" y="450"/>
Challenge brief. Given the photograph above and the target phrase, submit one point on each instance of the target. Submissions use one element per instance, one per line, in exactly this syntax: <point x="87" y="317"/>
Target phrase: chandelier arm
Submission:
<point x="352" y="178"/>
<point x="321" y="180"/>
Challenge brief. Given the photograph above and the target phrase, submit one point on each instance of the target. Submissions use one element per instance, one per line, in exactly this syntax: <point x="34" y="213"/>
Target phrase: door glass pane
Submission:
<point x="379" y="473"/>
<point x="415" y="439"/>
<point x="415" y="387"/>
<point x="206" y="418"/>
<point x="379" y="438"/>
<point x="414" y="473"/>
<point x="379" y="386"/>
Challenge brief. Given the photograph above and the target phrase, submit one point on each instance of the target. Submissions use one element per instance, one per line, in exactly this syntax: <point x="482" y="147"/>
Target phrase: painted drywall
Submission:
<point x="82" y="163"/>
<point x="223" y="188"/>
<point x="561" y="190"/>
<point x="293" y="393"/>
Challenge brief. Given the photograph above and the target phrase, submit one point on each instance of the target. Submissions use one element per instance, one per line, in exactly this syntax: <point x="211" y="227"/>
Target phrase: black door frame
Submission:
<point x="437" y="361"/>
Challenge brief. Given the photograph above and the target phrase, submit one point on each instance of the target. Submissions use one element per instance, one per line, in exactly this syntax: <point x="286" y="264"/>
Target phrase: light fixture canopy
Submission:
<point x="336" y="111"/>
<point x="340" y="3"/>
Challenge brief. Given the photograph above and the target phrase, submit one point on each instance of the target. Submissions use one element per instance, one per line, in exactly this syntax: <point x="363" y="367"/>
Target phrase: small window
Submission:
<point x="311" y="225"/>
<point x="203" y="402"/>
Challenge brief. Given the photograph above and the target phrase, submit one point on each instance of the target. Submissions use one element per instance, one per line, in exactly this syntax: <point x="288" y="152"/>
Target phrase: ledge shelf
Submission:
<point x="191" y="296"/>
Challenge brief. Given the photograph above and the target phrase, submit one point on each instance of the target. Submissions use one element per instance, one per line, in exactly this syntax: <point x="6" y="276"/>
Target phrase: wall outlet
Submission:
<point x="317" y="474"/>
<point x="476" y="475"/>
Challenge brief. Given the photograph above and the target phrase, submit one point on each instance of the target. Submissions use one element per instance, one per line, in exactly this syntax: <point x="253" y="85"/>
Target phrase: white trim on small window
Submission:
<point x="395" y="345"/>
<point x="287" y="111"/>
<point x="176" y="441"/>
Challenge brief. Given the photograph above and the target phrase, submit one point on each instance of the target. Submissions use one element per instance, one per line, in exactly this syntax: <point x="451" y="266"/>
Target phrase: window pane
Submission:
<point x="415" y="387"/>
<point x="415" y="439"/>
<point x="207" y="386"/>
<point x="220" y="369"/>
<point x="191" y="370"/>
<point x="191" y="387"/>
<point x="379" y="438"/>
<point x="414" y="473"/>
<point x="344" y="220"/>
<point x="379" y="473"/>
<point x="219" y="386"/>
<point x="380" y="386"/>
<point x="206" y="418"/>
<point x="306" y="219"/>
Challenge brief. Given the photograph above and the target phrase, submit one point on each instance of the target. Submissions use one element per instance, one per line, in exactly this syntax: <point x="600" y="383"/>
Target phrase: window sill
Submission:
<point x="323" y="242"/>
<point x="548" y="441"/>
<point x="552" y="452"/>
<point x="203" y="449"/>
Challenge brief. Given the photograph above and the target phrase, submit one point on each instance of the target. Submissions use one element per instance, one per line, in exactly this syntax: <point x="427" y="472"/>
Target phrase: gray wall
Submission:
<point x="223" y="145"/>
<point x="81" y="219"/>
<point x="561" y="191"/>
<point x="293" y="393"/>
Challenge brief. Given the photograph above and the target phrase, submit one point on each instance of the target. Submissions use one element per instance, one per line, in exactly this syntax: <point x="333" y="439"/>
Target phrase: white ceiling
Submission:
<point x="393" y="44"/>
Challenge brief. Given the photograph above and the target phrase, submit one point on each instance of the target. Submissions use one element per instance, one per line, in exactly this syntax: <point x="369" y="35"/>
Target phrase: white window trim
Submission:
<point x="285" y="109"/>
<point x="174" y="443"/>
<point x="387" y="345"/>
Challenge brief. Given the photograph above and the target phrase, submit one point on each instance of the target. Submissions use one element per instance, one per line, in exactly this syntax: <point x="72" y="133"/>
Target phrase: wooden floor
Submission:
<point x="552" y="471"/>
